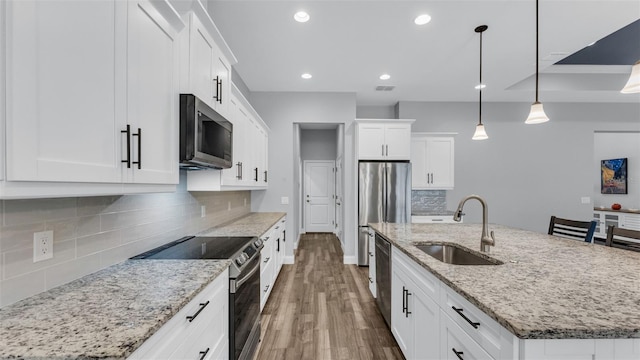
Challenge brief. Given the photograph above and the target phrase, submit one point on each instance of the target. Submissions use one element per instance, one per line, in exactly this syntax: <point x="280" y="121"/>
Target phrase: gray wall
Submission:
<point x="526" y="172"/>
<point x="92" y="233"/>
<point x="280" y="111"/>
<point x="376" y="112"/>
<point x="318" y="144"/>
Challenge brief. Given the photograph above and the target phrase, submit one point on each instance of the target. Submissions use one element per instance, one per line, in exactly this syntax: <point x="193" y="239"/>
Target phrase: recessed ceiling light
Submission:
<point x="422" y="19"/>
<point x="385" y="77"/>
<point x="306" y="76"/>
<point x="480" y="86"/>
<point x="301" y="16"/>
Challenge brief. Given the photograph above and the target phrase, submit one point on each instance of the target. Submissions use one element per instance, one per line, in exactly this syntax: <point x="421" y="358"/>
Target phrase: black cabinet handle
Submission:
<point x="458" y="353"/>
<point x="404" y="300"/>
<point x="278" y="246"/>
<point x="139" y="135"/>
<point x="217" y="97"/>
<point x="407" y="301"/>
<point x="266" y="288"/>
<point x="265" y="176"/>
<point x="220" y="94"/>
<point x="255" y="176"/>
<point x="128" y="159"/>
<point x="203" y="354"/>
<point x="370" y="280"/>
<point x="202" y="306"/>
<point x="267" y="260"/>
<point x="459" y="311"/>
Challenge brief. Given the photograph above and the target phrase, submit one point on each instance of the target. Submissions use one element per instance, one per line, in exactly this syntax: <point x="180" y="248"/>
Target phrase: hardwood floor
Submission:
<point x="320" y="308"/>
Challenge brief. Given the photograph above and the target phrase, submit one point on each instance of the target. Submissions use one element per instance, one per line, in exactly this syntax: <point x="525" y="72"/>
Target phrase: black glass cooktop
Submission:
<point x="199" y="247"/>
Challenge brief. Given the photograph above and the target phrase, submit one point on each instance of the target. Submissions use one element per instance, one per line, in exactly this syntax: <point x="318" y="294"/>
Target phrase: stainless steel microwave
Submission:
<point x="206" y="137"/>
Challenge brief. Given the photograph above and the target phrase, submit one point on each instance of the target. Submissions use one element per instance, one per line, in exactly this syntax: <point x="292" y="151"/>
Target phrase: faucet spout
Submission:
<point x="486" y="239"/>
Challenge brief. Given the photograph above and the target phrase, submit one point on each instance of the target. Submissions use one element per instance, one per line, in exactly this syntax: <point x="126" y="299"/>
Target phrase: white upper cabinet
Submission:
<point x="79" y="74"/>
<point x="206" y="58"/>
<point x="432" y="159"/>
<point x="384" y="139"/>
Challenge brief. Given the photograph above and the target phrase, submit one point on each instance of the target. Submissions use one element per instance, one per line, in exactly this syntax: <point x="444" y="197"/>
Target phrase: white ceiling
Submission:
<point x="347" y="45"/>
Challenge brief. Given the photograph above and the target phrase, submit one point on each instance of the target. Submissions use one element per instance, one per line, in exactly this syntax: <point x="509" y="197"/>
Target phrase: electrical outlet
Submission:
<point x="203" y="211"/>
<point x="284" y="200"/>
<point x="229" y="206"/>
<point x="42" y="245"/>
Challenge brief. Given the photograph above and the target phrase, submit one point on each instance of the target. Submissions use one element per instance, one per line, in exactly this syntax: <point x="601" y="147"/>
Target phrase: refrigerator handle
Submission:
<point x="384" y="192"/>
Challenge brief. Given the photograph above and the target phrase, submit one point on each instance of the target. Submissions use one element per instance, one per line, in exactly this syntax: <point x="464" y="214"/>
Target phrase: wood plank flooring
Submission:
<point x="320" y="308"/>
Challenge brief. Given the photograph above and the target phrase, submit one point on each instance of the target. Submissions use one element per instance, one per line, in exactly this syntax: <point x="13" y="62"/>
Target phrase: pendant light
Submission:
<point x="537" y="115"/>
<point x="633" y="85"/>
<point x="480" y="133"/>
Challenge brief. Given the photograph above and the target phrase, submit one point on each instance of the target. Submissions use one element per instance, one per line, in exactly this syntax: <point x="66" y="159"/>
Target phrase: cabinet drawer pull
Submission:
<point x="437" y="219"/>
<point x="459" y="311"/>
<point x="203" y="354"/>
<point x="404" y="300"/>
<point x="255" y="176"/>
<point x="139" y="135"/>
<point x="202" y="306"/>
<point x="370" y="280"/>
<point x="407" y="312"/>
<point x="267" y="260"/>
<point x="266" y="288"/>
<point x="128" y="159"/>
<point x="458" y="353"/>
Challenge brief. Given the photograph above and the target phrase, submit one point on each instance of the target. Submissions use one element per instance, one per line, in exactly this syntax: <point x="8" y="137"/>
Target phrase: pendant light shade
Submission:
<point x="537" y="115"/>
<point x="633" y="85"/>
<point x="480" y="133"/>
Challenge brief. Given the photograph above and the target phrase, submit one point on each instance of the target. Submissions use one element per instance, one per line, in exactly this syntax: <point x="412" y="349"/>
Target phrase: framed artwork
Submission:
<point x="613" y="176"/>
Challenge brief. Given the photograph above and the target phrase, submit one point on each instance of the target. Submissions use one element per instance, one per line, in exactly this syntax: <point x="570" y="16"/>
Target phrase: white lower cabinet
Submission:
<point x="271" y="259"/>
<point x="200" y="330"/>
<point x="415" y="314"/>
<point x="372" y="263"/>
<point x="457" y="344"/>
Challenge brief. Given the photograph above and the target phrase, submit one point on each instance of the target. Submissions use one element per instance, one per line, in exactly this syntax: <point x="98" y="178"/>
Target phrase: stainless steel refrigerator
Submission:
<point x="384" y="195"/>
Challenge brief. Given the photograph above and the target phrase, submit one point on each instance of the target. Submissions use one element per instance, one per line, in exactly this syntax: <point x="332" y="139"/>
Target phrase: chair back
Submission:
<point x="623" y="238"/>
<point x="581" y="230"/>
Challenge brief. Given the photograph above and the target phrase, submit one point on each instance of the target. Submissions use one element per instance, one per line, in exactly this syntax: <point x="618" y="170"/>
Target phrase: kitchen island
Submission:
<point x="547" y="288"/>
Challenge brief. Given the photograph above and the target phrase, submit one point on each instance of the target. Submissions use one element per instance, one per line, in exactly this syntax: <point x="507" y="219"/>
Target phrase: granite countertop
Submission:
<point x="253" y="224"/>
<point x="548" y="287"/>
<point x="107" y="314"/>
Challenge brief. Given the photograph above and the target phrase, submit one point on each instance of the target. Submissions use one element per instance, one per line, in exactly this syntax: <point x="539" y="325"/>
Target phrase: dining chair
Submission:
<point x="621" y="238"/>
<point x="573" y="229"/>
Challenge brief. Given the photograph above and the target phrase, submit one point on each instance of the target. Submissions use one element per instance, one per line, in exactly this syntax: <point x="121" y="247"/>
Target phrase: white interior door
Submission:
<point x="319" y="192"/>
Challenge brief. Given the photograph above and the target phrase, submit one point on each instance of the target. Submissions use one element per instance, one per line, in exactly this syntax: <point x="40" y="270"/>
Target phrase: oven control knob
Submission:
<point x="242" y="259"/>
<point x="258" y="243"/>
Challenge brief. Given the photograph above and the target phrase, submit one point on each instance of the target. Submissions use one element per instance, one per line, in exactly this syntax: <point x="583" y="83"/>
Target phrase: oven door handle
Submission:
<point x="238" y="283"/>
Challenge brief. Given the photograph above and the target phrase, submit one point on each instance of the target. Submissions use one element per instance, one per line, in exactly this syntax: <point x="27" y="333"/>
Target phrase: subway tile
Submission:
<point x="94" y="205"/>
<point x="68" y="271"/>
<point x="19" y="236"/>
<point x="138" y="232"/>
<point x="21" y="287"/>
<point x="98" y="242"/>
<point x="31" y="211"/>
<point x="20" y="262"/>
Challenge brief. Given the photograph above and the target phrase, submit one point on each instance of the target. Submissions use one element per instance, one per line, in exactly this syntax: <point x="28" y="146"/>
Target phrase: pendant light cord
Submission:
<point x="537" y="56"/>
<point x="480" y="94"/>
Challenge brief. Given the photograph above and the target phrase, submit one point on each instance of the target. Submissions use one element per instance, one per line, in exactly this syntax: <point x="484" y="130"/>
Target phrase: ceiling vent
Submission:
<point x="385" y="88"/>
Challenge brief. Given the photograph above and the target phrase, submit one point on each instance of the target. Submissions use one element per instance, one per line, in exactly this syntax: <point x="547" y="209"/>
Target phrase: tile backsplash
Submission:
<point x="91" y="233"/>
<point x="428" y="200"/>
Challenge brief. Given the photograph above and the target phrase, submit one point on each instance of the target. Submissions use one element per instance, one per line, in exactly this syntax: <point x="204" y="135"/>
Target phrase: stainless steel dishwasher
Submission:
<point x="383" y="278"/>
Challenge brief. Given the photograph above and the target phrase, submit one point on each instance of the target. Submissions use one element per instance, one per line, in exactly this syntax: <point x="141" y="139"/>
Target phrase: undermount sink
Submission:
<point x="455" y="255"/>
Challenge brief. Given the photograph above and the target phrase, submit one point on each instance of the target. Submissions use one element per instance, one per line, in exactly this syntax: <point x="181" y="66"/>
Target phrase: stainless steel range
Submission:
<point x="244" y="282"/>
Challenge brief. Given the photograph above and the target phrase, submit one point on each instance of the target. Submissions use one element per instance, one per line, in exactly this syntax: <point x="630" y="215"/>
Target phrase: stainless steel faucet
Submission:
<point x="486" y="240"/>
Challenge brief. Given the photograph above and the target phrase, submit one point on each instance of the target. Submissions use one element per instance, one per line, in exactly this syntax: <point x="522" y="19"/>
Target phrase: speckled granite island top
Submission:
<point x="547" y="288"/>
<point x="253" y="224"/>
<point x="105" y="315"/>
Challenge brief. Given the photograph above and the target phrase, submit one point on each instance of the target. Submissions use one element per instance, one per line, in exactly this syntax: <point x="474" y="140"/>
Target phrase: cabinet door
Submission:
<point x="371" y="142"/>
<point x="397" y="141"/>
<point x="401" y="322"/>
<point x="201" y="61"/>
<point x="439" y="157"/>
<point x="419" y="178"/>
<point x="426" y="329"/>
<point x="456" y="341"/>
<point x="65" y="64"/>
<point x="630" y="221"/>
<point x="152" y="95"/>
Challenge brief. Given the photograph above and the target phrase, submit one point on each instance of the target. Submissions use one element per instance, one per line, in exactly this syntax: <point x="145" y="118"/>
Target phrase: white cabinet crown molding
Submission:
<point x="196" y="6"/>
<point x="385" y="120"/>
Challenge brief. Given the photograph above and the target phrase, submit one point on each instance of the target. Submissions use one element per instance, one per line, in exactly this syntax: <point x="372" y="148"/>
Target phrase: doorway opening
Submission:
<point x="319" y="170"/>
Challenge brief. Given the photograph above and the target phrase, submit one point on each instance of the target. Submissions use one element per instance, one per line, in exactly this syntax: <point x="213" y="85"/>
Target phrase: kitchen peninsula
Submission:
<point x="556" y="297"/>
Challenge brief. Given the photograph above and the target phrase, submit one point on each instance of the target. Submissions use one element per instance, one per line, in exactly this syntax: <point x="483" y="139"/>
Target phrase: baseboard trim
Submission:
<point x="348" y="260"/>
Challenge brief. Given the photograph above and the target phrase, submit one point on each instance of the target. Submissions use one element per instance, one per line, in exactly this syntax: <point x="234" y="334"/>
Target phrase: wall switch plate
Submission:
<point x="42" y="246"/>
<point x="203" y="211"/>
<point x="585" y="200"/>
<point x="284" y="200"/>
